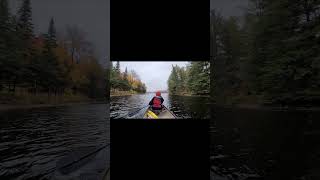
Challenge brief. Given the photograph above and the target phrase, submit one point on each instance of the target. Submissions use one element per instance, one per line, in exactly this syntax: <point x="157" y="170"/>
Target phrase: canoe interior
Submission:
<point x="164" y="114"/>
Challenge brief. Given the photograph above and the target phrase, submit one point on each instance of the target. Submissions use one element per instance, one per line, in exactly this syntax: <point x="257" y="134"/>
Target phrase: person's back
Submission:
<point x="156" y="101"/>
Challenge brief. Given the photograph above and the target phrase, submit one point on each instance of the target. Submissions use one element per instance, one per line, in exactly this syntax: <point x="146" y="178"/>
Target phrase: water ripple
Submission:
<point x="31" y="141"/>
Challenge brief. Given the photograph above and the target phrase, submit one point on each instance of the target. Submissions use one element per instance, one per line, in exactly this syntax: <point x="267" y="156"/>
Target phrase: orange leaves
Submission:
<point x="63" y="58"/>
<point x="134" y="82"/>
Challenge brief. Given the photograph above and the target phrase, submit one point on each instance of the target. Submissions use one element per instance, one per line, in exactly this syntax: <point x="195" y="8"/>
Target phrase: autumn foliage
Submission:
<point x="125" y="81"/>
<point x="45" y="63"/>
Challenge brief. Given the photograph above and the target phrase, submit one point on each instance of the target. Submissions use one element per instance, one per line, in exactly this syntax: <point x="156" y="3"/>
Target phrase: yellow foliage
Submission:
<point x="63" y="56"/>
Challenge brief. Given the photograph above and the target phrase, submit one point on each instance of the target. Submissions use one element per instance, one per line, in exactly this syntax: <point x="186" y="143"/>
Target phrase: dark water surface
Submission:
<point x="181" y="106"/>
<point x="246" y="144"/>
<point x="32" y="140"/>
<point x="264" y="144"/>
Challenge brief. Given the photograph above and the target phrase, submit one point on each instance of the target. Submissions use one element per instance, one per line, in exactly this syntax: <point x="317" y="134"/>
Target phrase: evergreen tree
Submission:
<point x="41" y="64"/>
<point x="271" y="57"/>
<point x="125" y="75"/>
<point x="53" y="72"/>
<point x="215" y="30"/>
<point x="4" y="27"/>
<point x="25" y="27"/>
<point x="50" y="37"/>
<point x="173" y="78"/>
<point x="10" y="61"/>
<point x="125" y="81"/>
<point x="118" y="67"/>
<point x="284" y="68"/>
<point x="26" y="37"/>
<point x="182" y="74"/>
<point x="195" y="79"/>
<point x="4" y="34"/>
<point x="52" y="40"/>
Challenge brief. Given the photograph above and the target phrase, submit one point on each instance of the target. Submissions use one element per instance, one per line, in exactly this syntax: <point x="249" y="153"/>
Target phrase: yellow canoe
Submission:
<point x="165" y="113"/>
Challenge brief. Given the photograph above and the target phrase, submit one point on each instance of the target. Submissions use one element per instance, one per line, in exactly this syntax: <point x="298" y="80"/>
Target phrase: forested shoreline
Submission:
<point x="194" y="79"/>
<point x="270" y="56"/>
<point x="42" y="68"/>
<point x="124" y="83"/>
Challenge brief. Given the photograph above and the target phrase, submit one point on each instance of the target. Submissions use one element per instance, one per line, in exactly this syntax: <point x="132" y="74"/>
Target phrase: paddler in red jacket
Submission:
<point x="156" y="101"/>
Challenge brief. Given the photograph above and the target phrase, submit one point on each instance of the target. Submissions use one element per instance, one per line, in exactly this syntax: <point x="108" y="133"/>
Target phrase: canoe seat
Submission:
<point x="157" y="112"/>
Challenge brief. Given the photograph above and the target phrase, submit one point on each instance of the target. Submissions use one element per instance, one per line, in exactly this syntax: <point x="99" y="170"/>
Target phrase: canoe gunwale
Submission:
<point x="170" y="112"/>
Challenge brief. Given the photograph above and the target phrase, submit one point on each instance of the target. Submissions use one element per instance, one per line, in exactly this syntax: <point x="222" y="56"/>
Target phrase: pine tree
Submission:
<point x="118" y="67"/>
<point x="10" y="62"/>
<point x="172" y="81"/>
<point x="195" y="79"/>
<point x="125" y="75"/>
<point x="24" y="45"/>
<point x="54" y="73"/>
<point x="25" y="26"/>
<point x="125" y="82"/>
<point x="182" y="79"/>
<point x="273" y="55"/>
<point x="4" y="25"/>
<point x="4" y="34"/>
<point x="52" y="35"/>
<point x="285" y="50"/>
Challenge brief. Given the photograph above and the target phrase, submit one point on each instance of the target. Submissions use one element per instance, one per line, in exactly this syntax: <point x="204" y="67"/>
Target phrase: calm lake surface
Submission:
<point x="181" y="106"/>
<point x="246" y="144"/>
<point x="264" y="144"/>
<point x="32" y="140"/>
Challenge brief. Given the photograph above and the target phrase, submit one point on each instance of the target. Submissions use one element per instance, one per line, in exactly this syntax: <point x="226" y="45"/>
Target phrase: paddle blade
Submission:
<point x="134" y="112"/>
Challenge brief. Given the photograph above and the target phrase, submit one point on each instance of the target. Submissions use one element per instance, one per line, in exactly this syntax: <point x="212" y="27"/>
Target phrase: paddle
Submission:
<point x="133" y="112"/>
<point x="72" y="163"/>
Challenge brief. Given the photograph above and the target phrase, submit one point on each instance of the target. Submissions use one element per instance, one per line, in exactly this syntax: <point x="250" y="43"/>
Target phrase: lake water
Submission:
<point x="32" y="140"/>
<point x="181" y="106"/>
<point x="245" y="143"/>
<point x="264" y="144"/>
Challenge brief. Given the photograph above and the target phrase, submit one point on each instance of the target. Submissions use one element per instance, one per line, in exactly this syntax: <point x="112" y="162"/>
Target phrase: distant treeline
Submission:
<point x="45" y="63"/>
<point x="125" y="81"/>
<point x="270" y="55"/>
<point x="192" y="80"/>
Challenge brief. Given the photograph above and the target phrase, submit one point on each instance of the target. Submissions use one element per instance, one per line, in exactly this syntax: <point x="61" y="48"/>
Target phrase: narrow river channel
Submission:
<point x="181" y="106"/>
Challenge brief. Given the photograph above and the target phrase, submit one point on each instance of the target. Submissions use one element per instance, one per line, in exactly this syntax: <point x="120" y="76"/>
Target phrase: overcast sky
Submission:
<point x="93" y="16"/>
<point x="153" y="74"/>
<point x="229" y="7"/>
